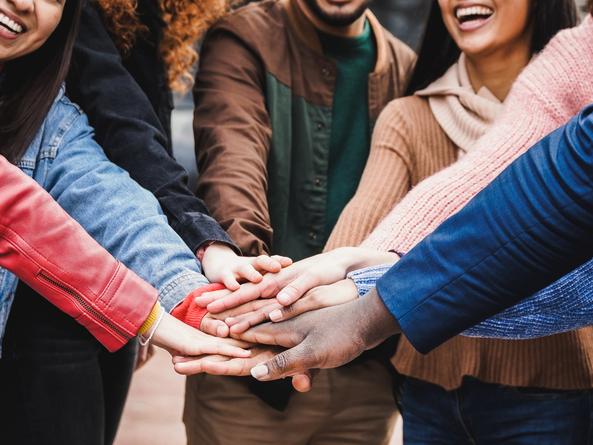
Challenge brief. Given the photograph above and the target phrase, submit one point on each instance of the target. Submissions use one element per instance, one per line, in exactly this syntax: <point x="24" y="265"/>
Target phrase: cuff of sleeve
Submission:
<point x="175" y="291"/>
<point x="151" y="319"/>
<point x="189" y="312"/>
<point x="198" y="228"/>
<point x="366" y="279"/>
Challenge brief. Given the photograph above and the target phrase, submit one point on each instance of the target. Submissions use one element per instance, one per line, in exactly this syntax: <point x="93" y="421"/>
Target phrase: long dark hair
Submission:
<point x="439" y="51"/>
<point x="31" y="83"/>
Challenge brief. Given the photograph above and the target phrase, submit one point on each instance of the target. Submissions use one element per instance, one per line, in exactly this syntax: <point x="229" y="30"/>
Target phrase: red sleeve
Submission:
<point x="188" y="311"/>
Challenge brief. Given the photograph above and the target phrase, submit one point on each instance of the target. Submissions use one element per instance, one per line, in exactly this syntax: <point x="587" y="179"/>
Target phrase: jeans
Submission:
<point x="479" y="413"/>
<point x="58" y="385"/>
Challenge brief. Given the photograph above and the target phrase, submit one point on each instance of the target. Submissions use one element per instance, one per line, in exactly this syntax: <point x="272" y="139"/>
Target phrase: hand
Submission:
<point x="181" y="339"/>
<point x="222" y="365"/>
<point x="215" y="324"/>
<point x="321" y="339"/>
<point x="222" y="265"/>
<point x="317" y="298"/>
<point x="294" y="281"/>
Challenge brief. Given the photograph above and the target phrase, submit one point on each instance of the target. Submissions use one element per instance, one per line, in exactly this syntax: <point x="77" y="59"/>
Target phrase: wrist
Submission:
<point x="377" y="323"/>
<point x="202" y="250"/>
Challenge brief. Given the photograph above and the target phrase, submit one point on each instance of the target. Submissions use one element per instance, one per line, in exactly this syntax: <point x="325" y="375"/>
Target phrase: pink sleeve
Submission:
<point x="553" y="88"/>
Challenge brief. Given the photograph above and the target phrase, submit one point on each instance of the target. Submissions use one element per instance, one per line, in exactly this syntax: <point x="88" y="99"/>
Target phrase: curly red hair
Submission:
<point x="186" y="21"/>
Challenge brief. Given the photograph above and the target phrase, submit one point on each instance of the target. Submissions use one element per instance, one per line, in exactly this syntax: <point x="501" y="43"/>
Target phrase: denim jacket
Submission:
<point x="120" y="215"/>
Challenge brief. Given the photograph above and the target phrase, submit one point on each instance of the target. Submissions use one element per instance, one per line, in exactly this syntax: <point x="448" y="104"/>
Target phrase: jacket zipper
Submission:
<point x="85" y="305"/>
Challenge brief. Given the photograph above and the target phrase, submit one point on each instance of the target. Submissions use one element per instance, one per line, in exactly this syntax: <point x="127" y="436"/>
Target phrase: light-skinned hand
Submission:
<point x="221" y="264"/>
<point x="317" y="298"/>
<point x="228" y="366"/>
<point x="181" y="339"/>
<point x="292" y="282"/>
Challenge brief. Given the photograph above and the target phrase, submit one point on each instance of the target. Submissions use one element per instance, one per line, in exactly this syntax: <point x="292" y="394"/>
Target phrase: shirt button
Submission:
<point x="325" y="72"/>
<point x="320" y="126"/>
<point x="317" y="182"/>
<point x="313" y="236"/>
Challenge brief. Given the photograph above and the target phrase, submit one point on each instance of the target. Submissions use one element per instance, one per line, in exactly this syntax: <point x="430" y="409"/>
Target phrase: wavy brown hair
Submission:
<point x="185" y="23"/>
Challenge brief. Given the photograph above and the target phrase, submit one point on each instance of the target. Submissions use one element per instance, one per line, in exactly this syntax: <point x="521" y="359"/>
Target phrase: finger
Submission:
<point x="302" y="382"/>
<point x="241" y="324"/>
<point x="221" y="348"/>
<point x="293" y="361"/>
<point x="247" y="292"/>
<point x="234" y="367"/>
<point x="274" y="334"/>
<point x="282" y="260"/>
<point x="249" y="273"/>
<point x="214" y="327"/>
<point x="208" y="297"/>
<point x="264" y="263"/>
<point x="297" y="288"/>
<point x="245" y="308"/>
<point x="301" y="306"/>
<point x="229" y="281"/>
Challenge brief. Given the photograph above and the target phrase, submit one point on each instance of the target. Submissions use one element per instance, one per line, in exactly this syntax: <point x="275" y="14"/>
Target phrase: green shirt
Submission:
<point x="351" y="129"/>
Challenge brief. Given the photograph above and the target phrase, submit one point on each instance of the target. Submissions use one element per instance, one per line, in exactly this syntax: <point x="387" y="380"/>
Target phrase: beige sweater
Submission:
<point x="408" y="146"/>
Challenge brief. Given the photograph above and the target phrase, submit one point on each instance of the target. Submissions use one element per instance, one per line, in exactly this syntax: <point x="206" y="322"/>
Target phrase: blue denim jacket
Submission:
<point x="120" y="215"/>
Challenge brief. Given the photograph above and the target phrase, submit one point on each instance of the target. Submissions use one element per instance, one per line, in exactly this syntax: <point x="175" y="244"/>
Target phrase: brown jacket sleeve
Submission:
<point x="232" y="138"/>
<point x="385" y="181"/>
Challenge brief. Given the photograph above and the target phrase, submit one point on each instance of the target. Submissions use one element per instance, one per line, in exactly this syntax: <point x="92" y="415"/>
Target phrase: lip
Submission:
<point x="474" y="25"/>
<point x="5" y="33"/>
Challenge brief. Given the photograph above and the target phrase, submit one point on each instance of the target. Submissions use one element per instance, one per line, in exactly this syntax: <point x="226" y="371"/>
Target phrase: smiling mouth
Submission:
<point x="473" y="15"/>
<point x="10" y="25"/>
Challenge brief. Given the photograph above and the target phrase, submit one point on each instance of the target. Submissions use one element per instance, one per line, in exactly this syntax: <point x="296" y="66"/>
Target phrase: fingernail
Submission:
<point x="276" y="315"/>
<point x="259" y="371"/>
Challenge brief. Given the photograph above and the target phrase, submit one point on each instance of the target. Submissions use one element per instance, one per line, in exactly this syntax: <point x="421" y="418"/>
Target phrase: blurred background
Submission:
<point x="153" y="412"/>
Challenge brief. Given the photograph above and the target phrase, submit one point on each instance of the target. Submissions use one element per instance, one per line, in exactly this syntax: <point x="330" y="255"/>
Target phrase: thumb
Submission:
<point x="297" y="360"/>
<point x="297" y="288"/>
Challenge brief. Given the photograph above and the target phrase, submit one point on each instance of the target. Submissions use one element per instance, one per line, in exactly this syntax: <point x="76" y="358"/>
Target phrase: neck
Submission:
<point x="497" y="71"/>
<point x="354" y="29"/>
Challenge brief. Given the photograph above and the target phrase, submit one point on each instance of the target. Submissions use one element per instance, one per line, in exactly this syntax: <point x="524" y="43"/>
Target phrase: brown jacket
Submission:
<point x="262" y="123"/>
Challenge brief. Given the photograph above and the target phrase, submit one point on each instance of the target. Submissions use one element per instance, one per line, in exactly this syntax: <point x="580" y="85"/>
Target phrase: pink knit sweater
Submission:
<point x="552" y="89"/>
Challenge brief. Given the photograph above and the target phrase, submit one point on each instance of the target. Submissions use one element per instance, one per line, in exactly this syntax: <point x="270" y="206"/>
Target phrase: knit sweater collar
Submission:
<point x="463" y="114"/>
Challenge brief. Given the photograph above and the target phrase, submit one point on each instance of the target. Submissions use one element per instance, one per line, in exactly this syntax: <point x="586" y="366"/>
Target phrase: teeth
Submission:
<point x="473" y="10"/>
<point x="11" y="24"/>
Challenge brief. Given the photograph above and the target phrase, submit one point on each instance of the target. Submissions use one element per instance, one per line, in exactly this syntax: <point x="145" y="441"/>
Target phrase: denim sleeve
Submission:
<point x="121" y="216"/>
<point x="365" y="279"/>
<point x="528" y="228"/>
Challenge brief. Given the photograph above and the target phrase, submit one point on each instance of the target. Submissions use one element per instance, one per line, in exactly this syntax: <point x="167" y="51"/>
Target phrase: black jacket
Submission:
<point x="129" y="104"/>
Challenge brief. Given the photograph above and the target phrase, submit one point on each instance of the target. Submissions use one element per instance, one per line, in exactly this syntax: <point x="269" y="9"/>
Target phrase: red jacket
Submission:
<point x="53" y="254"/>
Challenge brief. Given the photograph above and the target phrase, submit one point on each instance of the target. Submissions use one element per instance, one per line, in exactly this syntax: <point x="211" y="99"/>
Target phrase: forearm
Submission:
<point x="377" y="324"/>
<point x="385" y="181"/>
<point x="123" y="218"/>
<point x="232" y="138"/>
<point x="528" y="228"/>
<point x="545" y="96"/>
<point x="42" y="245"/>
<point x="128" y="129"/>
<point x="564" y="306"/>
